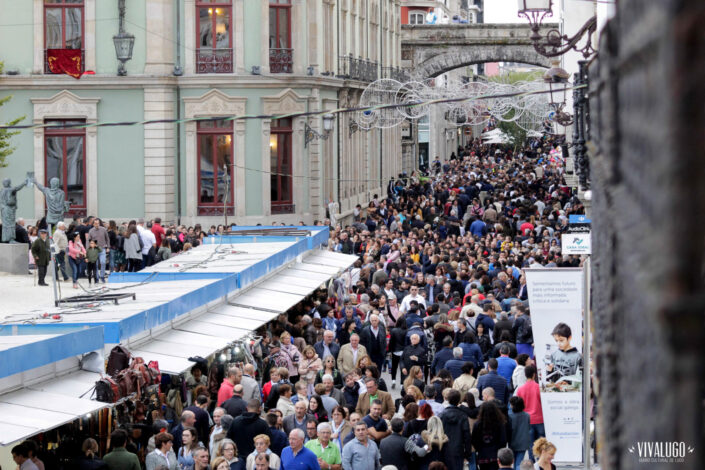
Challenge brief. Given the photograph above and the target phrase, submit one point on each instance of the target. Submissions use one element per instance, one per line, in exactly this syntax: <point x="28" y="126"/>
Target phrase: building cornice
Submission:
<point x="199" y="81"/>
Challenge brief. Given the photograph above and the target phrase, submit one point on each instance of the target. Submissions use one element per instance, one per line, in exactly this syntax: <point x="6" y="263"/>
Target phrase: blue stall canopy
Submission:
<point x="41" y="385"/>
<point x="223" y="324"/>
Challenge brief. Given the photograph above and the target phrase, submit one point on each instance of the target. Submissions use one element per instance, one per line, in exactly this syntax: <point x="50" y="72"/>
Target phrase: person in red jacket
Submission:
<point x="158" y="231"/>
<point x="226" y="388"/>
<point x="530" y="392"/>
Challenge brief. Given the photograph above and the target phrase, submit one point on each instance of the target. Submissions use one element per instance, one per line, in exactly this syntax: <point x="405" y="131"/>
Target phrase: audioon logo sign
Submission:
<point x="664" y="452"/>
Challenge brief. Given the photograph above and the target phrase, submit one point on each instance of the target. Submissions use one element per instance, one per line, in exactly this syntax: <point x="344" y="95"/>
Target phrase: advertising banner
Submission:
<point x="576" y="243"/>
<point x="556" y="303"/>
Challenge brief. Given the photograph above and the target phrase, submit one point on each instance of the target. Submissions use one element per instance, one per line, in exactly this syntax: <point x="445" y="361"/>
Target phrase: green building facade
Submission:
<point x="199" y="59"/>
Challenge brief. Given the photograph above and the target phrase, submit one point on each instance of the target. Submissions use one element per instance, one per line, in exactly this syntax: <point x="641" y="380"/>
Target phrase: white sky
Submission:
<point x="505" y="11"/>
<point x="501" y="11"/>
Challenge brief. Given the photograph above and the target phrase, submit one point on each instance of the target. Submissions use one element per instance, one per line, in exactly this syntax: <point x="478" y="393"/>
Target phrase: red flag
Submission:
<point x="66" y="61"/>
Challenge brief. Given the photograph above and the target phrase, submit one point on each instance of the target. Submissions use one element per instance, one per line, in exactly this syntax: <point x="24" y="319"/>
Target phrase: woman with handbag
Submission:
<point x="77" y="257"/>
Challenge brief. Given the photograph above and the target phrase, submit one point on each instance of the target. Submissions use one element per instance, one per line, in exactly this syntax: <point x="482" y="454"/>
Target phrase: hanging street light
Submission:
<point x="124" y="42"/>
<point x="554" y="43"/>
<point x="556" y="80"/>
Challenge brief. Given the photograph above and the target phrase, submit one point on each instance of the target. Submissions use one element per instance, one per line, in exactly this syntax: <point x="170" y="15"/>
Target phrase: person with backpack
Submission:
<point x="523" y="332"/>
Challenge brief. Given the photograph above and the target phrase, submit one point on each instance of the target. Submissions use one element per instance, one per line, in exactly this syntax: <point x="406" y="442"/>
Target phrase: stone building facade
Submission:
<point x="201" y="59"/>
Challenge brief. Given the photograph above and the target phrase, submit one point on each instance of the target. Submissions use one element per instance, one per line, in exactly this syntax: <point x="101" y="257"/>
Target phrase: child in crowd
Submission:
<point x="521" y="430"/>
<point x="92" y="255"/>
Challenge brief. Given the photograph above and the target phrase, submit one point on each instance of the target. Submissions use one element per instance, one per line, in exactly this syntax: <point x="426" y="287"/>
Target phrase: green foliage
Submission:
<point x="516" y="134"/>
<point x="514" y="77"/>
<point x="5" y="148"/>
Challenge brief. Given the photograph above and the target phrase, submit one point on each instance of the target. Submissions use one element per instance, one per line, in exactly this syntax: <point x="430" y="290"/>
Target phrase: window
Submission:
<point x="416" y="18"/>
<point x="281" y="55"/>
<point x="215" y="152"/>
<point x="214" y="50"/>
<point x="63" y="27"/>
<point x="280" y="166"/>
<point x="64" y="151"/>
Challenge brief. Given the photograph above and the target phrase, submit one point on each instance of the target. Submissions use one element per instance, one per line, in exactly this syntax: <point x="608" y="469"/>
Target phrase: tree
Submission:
<point x="5" y="134"/>
<point x="515" y="133"/>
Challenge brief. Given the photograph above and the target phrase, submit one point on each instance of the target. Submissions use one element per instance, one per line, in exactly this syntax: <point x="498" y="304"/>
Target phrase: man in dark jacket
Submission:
<point x="391" y="449"/>
<point x="374" y="339"/>
<point x="346" y="244"/>
<point x="21" y="235"/>
<point x="494" y="381"/>
<point x="455" y="365"/>
<point x="456" y="427"/>
<point x="442" y="356"/>
<point x="235" y="405"/>
<point x="202" y="419"/>
<point x="246" y="426"/>
<point x="414" y="355"/>
<point x="42" y="256"/>
<point x="327" y="345"/>
<point x="504" y="324"/>
<point x="522" y="331"/>
<point x="279" y="438"/>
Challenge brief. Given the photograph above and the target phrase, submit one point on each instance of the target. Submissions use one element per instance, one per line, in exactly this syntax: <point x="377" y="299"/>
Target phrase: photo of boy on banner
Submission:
<point x="563" y="364"/>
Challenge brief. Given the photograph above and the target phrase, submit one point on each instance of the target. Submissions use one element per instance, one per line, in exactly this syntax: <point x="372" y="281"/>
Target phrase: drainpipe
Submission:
<point x="381" y="63"/>
<point x="177" y="178"/>
<point x="178" y="71"/>
<point x="339" y="116"/>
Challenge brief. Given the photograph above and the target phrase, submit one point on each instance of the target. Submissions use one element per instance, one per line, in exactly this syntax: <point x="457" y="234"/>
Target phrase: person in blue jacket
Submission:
<point x="472" y="351"/>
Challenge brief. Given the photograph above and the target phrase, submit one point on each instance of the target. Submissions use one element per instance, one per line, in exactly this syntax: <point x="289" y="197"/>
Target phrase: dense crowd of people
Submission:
<point x="437" y="300"/>
<point x="92" y="247"/>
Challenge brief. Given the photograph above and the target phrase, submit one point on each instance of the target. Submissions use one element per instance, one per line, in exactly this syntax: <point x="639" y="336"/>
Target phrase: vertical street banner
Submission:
<point x="556" y="307"/>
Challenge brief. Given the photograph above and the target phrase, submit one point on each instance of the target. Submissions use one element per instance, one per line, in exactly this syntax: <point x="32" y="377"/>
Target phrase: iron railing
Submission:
<point x="214" y="60"/>
<point x="395" y="73"/>
<point x="283" y="208"/>
<point x="357" y="69"/>
<point x="281" y="60"/>
<point x="215" y="210"/>
<point x="48" y="70"/>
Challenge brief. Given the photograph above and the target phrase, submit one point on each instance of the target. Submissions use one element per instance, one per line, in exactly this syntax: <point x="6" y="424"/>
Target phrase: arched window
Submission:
<point x="417" y="17"/>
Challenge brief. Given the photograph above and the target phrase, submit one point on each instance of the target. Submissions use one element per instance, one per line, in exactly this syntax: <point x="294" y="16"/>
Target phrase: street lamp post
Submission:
<point x="555" y="44"/>
<point x="124" y="42"/>
<point x="310" y="134"/>
<point x="580" y="134"/>
<point x="557" y="80"/>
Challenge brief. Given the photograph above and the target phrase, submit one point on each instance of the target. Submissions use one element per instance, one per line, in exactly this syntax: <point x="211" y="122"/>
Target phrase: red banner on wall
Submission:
<point x="66" y="61"/>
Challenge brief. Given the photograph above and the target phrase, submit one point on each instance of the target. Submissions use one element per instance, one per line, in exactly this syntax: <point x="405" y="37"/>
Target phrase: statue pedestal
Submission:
<point x="14" y="258"/>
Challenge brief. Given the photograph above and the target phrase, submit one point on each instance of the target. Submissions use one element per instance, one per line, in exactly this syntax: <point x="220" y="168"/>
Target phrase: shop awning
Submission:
<point x="46" y="405"/>
<point x="216" y="329"/>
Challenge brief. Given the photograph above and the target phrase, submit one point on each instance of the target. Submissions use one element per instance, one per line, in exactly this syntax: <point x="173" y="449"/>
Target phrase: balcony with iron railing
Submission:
<point x="283" y="208"/>
<point x="357" y="69"/>
<point x="281" y="60"/>
<point x="214" y="60"/>
<point x="395" y="73"/>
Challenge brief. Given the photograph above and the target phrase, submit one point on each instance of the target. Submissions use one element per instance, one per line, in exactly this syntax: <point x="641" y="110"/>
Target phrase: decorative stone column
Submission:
<point x="160" y="37"/>
<point x="159" y="152"/>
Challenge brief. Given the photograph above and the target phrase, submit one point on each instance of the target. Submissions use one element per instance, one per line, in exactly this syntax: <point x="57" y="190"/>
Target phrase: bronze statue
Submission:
<point x="57" y="205"/>
<point x="8" y="208"/>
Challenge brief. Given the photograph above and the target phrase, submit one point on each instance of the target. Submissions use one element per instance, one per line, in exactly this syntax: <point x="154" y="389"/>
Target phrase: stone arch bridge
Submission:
<point x="430" y="50"/>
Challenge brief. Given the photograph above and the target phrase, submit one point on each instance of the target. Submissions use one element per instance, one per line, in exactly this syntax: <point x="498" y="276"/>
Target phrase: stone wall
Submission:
<point x="436" y="49"/>
<point x="648" y="218"/>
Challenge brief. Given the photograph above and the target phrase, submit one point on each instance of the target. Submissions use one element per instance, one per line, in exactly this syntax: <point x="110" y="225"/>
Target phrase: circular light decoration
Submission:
<point x="379" y="93"/>
<point x="411" y="93"/>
